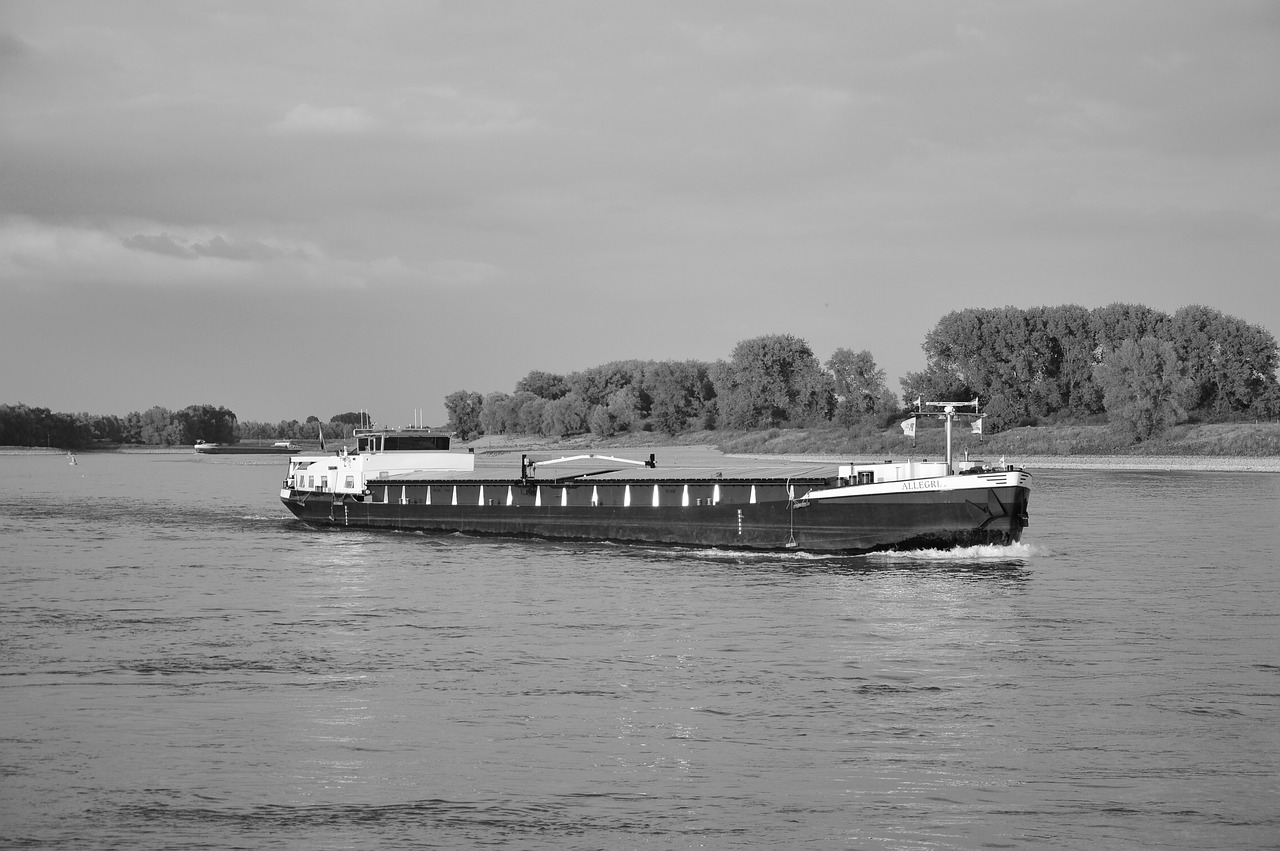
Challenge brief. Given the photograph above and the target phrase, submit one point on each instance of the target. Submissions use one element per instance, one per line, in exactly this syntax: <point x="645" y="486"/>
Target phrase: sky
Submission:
<point x="306" y="208"/>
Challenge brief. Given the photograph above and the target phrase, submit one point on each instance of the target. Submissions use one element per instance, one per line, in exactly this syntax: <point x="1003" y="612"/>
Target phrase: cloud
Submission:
<point x="36" y="254"/>
<point x="718" y="39"/>
<point x="12" y="47"/>
<point x="331" y="121"/>
<point x="218" y="246"/>
<point x="446" y="112"/>
<point x="249" y="250"/>
<point x="461" y="273"/>
<point x="50" y="255"/>
<point x="161" y="243"/>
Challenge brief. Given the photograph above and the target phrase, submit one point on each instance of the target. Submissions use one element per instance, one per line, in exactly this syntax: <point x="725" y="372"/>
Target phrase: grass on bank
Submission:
<point x="1192" y="440"/>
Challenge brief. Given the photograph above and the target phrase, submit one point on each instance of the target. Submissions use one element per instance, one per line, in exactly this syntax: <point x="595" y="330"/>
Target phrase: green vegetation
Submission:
<point x="1141" y="370"/>
<point x="1058" y="364"/>
<point x="1246" y="440"/>
<point x="1066" y="379"/>
<point x="1143" y="383"/>
<point x="772" y="381"/>
<point x="22" y="425"/>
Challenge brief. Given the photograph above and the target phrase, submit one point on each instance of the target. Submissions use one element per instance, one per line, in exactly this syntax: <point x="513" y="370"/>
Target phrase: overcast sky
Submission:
<point x="315" y="207"/>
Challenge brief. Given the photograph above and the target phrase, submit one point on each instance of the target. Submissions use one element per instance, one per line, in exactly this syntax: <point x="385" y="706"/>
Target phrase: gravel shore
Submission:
<point x="1031" y="463"/>
<point x="1231" y="464"/>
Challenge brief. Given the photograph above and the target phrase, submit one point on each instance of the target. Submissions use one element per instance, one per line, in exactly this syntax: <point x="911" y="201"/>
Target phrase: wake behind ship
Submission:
<point x="412" y="480"/>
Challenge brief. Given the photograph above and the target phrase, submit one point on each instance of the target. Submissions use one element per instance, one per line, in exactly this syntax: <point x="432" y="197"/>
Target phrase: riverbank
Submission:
<point x="145" y="450"/>
<point x="734" y="447"/>
<point x="1217" y="463"/>
<point x="1031" y="463"/>
<point x="1244" y="447"/>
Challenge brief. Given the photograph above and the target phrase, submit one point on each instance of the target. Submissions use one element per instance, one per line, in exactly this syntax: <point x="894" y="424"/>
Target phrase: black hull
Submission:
<point x="850" y="525"/>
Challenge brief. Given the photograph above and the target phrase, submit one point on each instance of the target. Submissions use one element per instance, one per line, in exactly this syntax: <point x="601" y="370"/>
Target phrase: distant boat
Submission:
<point x="280" y="447"/>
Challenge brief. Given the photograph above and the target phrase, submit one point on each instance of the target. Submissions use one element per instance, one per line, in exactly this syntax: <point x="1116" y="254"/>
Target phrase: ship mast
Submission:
<point x="949" y="413"/>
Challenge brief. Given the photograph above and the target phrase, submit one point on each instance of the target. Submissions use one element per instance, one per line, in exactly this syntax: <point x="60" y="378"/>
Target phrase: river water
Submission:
<point x="184" y="666"/>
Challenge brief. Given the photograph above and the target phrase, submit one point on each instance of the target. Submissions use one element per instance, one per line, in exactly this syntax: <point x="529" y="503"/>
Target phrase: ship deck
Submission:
<point x="672" y="464"/>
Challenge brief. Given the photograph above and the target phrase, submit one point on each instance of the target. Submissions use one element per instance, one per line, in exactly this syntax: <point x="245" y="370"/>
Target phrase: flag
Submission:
<point x="977" y="426"/>
<point x="909" y="427"/>
<point x="321" y="427"/>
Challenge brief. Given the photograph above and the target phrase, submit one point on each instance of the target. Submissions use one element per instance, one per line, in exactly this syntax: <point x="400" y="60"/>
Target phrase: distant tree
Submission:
<point x="22" y="425"/>
<point x="206" y="422"/>
<point x="1040" y="360"/>
<point x="678" y="393"/>
<point x="464" y="408"/>
<point x="531" y="415"/>
<point x="565" y="416"/>
<point x="620" y="413"/>
<point x="102" y="429"/>
<point x="1267" y="405"/>
<point x="1117" y="322"/>
<point x="291" y="430"/>
<point x="934" y="383"/>
<point x="600" y="423"/>
<point x="1143" y="384"/>
<point x="548" y="385"/>
<point x="1027" y="364"/>
<point x="250" y="430"/>
<point x="133" y="427"/>
<point x="990" y="351"/>
<point x="1230" y="362"/>
<point x="312" y="428"/>
<point x="495" y="412"/>
<point x="514" y="420"/>
<point x="735" y="407"/>
<point x="500" y="412"/>
<point x="157" y="427"/>
<point x="859" y="385"/>
<point x="769" y="381"/>
<point x="1069" y="329"/>
<point x="598" y="383"/>
<point x="357" y="419"/>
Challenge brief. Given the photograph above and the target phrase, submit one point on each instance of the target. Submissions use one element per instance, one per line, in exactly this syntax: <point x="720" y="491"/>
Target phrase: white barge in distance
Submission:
<point x="412" y="480"/>
<point x="281" y="447"/>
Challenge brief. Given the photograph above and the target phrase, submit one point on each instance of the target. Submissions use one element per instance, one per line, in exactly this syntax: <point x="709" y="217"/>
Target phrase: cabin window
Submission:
<point x="324" y="483"/>
<point x="416" y="442"/>
<point x="351" y="482"/>
<point x="311" y="482"/>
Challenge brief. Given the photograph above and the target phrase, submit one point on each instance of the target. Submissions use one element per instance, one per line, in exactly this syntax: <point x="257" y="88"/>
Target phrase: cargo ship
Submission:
<point x="280" y="447"/>
<point x="413" y="480"/>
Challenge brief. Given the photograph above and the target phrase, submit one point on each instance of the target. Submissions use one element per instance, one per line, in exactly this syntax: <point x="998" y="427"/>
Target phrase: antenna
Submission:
<point x="949" y="413"/>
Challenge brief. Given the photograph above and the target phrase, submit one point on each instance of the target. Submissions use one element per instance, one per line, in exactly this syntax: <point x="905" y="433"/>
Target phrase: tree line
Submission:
<point x="1136" y="367"/>
<point x="770" y="381"/>
<point x="1140" y="368"/>
<point x="23" y="425"/>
